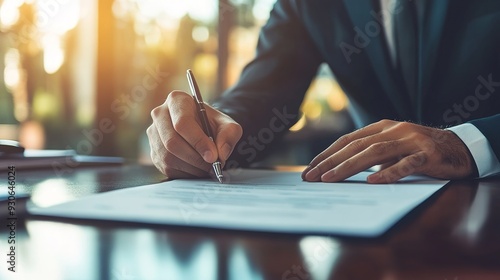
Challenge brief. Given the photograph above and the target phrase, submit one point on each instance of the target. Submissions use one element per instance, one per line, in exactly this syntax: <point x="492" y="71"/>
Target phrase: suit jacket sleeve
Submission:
<point x="490" y="127"/>
<point x="271" y="88"/>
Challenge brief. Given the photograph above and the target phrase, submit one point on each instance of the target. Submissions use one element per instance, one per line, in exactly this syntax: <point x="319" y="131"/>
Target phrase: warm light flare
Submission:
<point x="12" y="75"/>
<point x="337" y="100"/>
<point x="200" y="34"/>
<point x="300" y="124"/>
<point x="201" y="10"/>
<point x="53" y="54"/>
<point x="9" y="12"/>
<point x="312" y="109"/>
<point x="57" y="17"/>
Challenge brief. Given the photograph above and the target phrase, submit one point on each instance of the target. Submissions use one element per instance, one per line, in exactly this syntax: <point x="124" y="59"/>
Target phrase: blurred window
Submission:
<point x="53" y="94"/>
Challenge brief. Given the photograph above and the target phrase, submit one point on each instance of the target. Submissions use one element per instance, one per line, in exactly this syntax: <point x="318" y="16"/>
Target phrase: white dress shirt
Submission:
<point x="486" y="161"/>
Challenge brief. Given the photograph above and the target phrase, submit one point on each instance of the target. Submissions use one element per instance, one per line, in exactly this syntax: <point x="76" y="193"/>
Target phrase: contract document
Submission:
<point x="257" y="200"/>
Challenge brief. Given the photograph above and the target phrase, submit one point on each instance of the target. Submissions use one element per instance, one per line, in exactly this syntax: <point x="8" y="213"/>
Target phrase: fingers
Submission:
<point x="343" y="142"/>
<point x="407" y="166"/>
<point x="349" y="138"/>
<point x="179" y="146"/>
<point x="402" y="148"/>
<point x="358" y="155"/>
<point x="183" y="113"/>
<point x="377" y="153"/>
<point x="168" y="163"/>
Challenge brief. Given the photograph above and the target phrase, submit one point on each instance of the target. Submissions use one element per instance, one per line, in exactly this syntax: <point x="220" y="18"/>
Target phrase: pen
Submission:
<point x="202" y="114"/>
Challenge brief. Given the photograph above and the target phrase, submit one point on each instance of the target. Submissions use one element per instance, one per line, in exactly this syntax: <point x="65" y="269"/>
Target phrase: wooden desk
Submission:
<point x="455" y="236"/>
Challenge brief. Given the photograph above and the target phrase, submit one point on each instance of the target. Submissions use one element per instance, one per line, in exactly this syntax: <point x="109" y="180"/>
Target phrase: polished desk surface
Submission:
<point x="455" y="236"/>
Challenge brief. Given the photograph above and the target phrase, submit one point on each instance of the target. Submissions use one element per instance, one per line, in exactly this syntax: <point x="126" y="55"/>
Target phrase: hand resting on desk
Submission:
<point x="401" y="148"/>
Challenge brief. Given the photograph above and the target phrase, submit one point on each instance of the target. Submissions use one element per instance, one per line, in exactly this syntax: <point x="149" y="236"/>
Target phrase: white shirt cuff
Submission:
<point x="486" y="161"/>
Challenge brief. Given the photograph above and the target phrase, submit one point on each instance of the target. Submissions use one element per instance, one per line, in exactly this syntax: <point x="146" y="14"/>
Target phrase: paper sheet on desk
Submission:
<point x="259" y="201"/>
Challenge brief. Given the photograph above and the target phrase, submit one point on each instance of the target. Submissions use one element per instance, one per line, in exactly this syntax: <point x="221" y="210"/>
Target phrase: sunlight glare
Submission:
<point x="200" y="34"/>
<point x="57" y="17"/>
<point x="153" y="36"/>
<point x="203" y="10"/>
<point x="262" y="8"/>
<point x="51" y="192"/>
<point x="53" y="54"/>
<point x="320" y="255"/>
<point x="12" y="75"/>
<point x="9" y="12"/>
<point x="174" y="8"/>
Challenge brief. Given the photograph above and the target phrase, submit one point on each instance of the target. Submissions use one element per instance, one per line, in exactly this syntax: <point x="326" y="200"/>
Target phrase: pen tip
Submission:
<point x="218" y="171"/>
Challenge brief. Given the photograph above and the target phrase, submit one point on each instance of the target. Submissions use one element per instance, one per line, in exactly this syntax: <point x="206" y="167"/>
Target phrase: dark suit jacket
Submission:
<point x="459" y="73"/>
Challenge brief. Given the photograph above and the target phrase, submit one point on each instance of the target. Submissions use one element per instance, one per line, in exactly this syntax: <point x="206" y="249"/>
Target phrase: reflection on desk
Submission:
<point x="453" y="236"/>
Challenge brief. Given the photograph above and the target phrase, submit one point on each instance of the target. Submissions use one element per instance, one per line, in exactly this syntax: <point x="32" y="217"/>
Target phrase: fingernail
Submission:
<point x="374" y="178"/>
<point x="208" y="156"/>
<point x="328" y="176"/>
<point x="225" y="152"/>
<point x="308" y="168"/>
<point x="313" y="175"/>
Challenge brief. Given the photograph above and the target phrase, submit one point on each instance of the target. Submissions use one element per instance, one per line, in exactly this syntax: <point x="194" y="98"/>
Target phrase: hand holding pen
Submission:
<point x="202" y="114"/>
<point x="180" y="147"/>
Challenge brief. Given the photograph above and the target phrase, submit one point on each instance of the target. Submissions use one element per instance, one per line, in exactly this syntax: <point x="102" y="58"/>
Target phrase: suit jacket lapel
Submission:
<point x="362" y="15"/>
<point x="430" y="38"/>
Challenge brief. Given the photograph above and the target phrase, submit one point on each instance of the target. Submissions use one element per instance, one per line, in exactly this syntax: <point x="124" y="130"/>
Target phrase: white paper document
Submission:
<point x="257" y="200"/>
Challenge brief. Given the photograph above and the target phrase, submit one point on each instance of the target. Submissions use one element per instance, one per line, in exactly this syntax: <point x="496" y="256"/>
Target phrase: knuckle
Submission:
<point x="344" y="140"/>
<point x="428" y="145"/>
<point x="386" y="122"/>
<point x="404" y="125"/>
<point x="164" y="158"/>
<point x="378" y="148"/>
<point x="156" y="112"/>
<point x="382" y="148"/>
<point x="326" y="165"/>
<point x="149" y="131"/>
<point x="348" y="164"/>
<point x="415" y="136"/>
<point x="175" y="95"/>
<point x="199" y="144"/>
<point x="383" y="121"/>
<point x="405" y="168"/>
<point x="418" y="160"/>
<point x="199" y="162"/>
<point x="235" y="129"/>
<point x="318" y="159"/>
<point x="171" y="144"/>
<point x="388" y="177"/>
<point x="391" y="177"/>
<point x="357" y="145"/>
<point x="181" y="125"/>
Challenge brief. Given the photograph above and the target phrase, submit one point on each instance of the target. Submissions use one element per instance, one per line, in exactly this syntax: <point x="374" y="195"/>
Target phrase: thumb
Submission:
<point x="227" y="136"/>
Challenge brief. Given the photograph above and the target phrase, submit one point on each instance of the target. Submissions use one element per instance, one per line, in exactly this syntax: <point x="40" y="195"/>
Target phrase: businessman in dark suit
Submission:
<point x="408" y="67"/>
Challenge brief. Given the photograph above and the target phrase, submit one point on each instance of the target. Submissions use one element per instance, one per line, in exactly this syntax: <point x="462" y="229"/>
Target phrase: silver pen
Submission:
<point x="202" y="114"/>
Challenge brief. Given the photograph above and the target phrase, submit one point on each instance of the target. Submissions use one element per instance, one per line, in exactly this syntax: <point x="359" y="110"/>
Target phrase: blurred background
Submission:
<point x="84" y="75"/>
